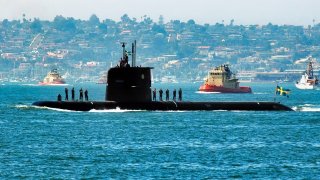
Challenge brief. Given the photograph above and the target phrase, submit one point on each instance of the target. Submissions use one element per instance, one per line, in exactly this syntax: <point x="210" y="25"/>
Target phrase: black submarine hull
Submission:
<point x="163" y="106"/>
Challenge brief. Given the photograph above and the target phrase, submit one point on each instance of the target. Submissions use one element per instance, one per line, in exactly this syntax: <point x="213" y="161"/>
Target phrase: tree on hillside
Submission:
<point x="94" y="20"/>
<point x="62" y="24"/>
<point x="191" y="22"/>
<point x="5" y="23"/>
<point x="158" y="29"/>
<point x="125" y="19"/>
<point x="36" y="26"/>
<point x="103" y="28"/>
<point x="1" y="38"/>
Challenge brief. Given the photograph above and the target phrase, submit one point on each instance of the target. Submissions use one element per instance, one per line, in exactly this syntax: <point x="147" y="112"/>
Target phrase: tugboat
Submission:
<point x="308" y="80"/>
<point x="53" y="78"/>
<point x="129" y="87"/>
<point x="220" y="79"/>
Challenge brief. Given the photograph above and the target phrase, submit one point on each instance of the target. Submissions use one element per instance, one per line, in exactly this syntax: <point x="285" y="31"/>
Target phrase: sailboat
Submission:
<point x="308" y="80"/>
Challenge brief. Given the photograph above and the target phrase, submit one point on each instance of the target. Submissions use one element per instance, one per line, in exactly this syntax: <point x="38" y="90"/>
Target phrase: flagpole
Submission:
<point x="275" y="93"/>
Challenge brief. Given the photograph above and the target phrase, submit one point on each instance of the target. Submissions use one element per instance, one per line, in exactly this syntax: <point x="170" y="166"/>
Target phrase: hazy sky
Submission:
<point x="296" y="12"/>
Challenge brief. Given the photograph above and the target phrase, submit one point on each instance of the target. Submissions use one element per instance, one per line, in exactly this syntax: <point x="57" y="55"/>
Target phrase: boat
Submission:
<point x="53" y="78"/>
<point x="169" y="79"/>
<point x="129" y="87"/>
<point x="308" y="80"/>
<point x="220" y="79"/>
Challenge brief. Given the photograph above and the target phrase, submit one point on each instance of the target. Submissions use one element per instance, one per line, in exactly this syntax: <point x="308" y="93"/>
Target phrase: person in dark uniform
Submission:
<point x="72" y="94"/>
<point x="160" y="94"/>
<point x="180" y="94"/>
<point x="59" y="97"/>
<point x="174" y="95"/>
<point x="154" y="93"/>
<point x="167" y="95"/>
<point x="81" y="94"/>
<point x="66" y="91"/>
<point x="86" y="95"/>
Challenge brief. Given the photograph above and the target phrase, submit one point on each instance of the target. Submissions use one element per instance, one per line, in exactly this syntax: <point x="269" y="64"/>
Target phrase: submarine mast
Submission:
<point x="129" y="84"/>
<point x="133" y="53"/>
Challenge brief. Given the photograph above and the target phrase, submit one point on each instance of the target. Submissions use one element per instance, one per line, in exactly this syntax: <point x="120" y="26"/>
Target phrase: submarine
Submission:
<point x="129" y="88"/>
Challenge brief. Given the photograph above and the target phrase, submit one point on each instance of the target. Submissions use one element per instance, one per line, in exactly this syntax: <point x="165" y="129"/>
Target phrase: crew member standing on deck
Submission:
<point x="154" y="93"/>
<point x="66" y="91"/>
<point x="174" y="95"/>
<point x="180" y="94"/>
<point x="86" y="97"/>
<point x="72" y="93"/>
<point x="167" y="95"/>
<point x="59" y="97"/>
<point x="160" y="94"/>
<point x="81" y="94"/>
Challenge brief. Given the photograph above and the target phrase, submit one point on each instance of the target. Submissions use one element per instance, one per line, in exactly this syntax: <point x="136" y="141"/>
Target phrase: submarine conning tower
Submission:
<point x="129" y="83"/>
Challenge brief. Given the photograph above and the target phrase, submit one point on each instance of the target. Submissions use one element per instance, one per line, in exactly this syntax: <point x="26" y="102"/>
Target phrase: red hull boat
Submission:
<point x="53" y="78"/>
<point x="208" y="88"/>
<point x="221" y="80"/>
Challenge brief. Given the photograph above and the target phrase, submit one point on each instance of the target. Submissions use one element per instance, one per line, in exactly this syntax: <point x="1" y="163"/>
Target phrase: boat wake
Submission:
<point x="117" y="110"/>
<point x="54" y="109"/>
<point x="53" y="85"/>
<point x="28" y="107"/>
<point x="261" y="93"/>
<point x="307" y="108"/>
<point x="204" y="92"/>
<point x="30" y="84"/>
<point x="31" y="107"/>
<point x="21" y="106"/>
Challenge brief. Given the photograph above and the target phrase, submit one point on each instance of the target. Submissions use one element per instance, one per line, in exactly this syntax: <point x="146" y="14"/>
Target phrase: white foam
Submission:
<point x="55" y="109"/>
<point x="261" y="93"/>
<point x="30" y="84"/>
<point x="52" y="84"/>
<point x="117" y="110"/>
<point x="21" y="106"/>
<point x="307" y="108"/>
<point x="310" y="109"/>
<point x="204" y="92"/>
<point x="171" y="111"/>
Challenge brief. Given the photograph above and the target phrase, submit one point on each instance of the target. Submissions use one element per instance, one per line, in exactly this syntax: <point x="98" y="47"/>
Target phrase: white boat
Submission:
<point x="308" y="80"/>
<point x="169" y="79"/>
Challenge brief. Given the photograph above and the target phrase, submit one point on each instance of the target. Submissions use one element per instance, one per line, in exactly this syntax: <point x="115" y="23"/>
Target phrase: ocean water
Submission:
<point x="41" y="143"/>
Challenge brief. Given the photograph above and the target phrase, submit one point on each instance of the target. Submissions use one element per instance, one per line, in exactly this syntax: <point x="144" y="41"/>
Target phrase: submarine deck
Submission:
<point x="164" y="105"/>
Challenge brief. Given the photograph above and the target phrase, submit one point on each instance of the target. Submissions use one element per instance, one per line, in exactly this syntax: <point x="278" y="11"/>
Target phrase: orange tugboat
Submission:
<point x="221" y="80"/>
<point x="53" y="78"/>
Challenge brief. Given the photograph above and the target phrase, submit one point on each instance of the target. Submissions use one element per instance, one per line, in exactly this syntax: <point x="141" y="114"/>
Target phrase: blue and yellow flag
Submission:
<point x="282" y="92"/>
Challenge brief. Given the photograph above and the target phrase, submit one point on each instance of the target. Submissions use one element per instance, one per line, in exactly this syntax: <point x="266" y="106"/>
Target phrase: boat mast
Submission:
<point x="310" y="70"/>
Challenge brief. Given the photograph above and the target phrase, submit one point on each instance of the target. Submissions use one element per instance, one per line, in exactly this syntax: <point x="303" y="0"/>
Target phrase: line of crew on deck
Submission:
<point x="86" y="97"/>
<point x="174" y="94"/>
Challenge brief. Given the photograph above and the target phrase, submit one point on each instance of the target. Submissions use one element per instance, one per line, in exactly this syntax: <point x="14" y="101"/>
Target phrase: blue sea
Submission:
<point x="42" y="143"/>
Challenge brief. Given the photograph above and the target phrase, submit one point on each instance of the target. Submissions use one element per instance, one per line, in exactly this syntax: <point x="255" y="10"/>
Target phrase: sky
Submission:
<point x="246" y="12"/>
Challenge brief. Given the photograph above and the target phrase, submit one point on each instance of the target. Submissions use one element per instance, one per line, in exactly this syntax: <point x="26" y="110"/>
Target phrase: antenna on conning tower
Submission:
<point x="123" y="49"/>
<point x="133" y="55"/>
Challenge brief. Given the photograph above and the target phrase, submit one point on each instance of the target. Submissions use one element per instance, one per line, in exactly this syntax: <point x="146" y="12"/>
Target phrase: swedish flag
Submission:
<point x="282" y="92"/>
